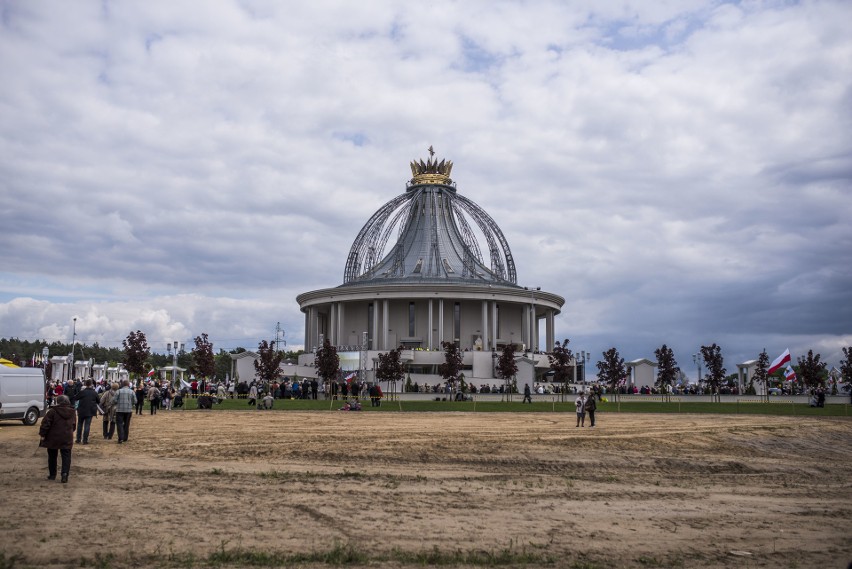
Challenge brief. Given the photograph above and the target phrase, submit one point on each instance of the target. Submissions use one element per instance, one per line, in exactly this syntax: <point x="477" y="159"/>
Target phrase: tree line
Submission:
<point x="135" y="355"/>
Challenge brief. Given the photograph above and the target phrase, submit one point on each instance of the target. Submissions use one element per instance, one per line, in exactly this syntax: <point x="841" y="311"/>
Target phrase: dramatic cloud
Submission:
<point x="679" y="172"/>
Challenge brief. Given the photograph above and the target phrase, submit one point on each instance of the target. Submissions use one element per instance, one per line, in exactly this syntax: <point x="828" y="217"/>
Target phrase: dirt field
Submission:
<point x="464" y="489"/>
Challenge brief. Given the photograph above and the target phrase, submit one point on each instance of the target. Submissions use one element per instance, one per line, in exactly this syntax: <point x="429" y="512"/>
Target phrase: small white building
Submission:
<point x="60" y="368"/>
<point x="642" y="372"/>
<point x="745" y="371"/>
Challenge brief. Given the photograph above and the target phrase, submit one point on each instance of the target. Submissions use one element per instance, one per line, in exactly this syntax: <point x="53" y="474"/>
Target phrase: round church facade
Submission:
<point x="431" y="266"/>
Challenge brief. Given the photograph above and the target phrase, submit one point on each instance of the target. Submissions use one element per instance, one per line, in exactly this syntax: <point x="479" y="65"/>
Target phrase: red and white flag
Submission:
<point x="779" y="361"/>
<point x="790" y="374"/>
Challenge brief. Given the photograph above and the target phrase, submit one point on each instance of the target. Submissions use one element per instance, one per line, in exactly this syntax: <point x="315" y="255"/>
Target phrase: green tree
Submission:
<point x="327" y="363"/>
<point x="507" y="368"/>
<point x="223" y="365"/>
<point x="760" y="375"/>
<point x="390" y="368"/>
<point x="611" y="370"/>
<point x="713" y="361"/>
<point x="667" y="369"/>
<point x="811" y="371"/>
<point x="452" y="365"/>
<point x="561" y="363"/>
<point x="136" y="352"/>
<point x="846" y="367"/>
<point x="203" y="361"/>
<point x="267" y="365"/>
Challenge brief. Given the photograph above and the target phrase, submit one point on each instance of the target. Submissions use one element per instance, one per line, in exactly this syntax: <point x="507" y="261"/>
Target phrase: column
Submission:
<point x="313" y="328"/>
<point x="440" y="322"/>
<point x="385" y="323"/>
<point x="429" y="340"/>
<point x="332" y="324"/>
<point x="376" y="325"/>
<point x="484" y="325"/>
<point x="549" y="331"/>
<point x="307" y="331"/>
<point x="494" y="331"/>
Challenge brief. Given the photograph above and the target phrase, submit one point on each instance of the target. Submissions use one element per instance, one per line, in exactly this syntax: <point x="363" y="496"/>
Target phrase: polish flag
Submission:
<point x="779" y="361"/>
<point x="790" y="374"/>
<point x="151" y="373"/>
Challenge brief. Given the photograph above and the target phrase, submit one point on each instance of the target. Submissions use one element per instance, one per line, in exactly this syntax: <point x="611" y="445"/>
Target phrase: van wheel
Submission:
<point x="31" y="416"/>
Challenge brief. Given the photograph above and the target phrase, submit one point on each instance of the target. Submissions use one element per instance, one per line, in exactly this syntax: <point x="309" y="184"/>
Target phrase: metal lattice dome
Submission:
<point x="440" y="236"/>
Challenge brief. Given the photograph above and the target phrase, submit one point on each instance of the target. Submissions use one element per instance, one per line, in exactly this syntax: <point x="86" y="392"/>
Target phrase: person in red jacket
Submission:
<point x="57" y="436"/>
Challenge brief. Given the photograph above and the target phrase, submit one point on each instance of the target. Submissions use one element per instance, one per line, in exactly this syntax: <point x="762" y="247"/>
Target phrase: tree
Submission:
<point x="267" y="365"/>
<point x="203" y="361"/>
<point x="390" y="368"/>
<point x="222" y="365"/>
<point x="136" y="353"/>
<point x="327" y="363"/>
<point x="811" y="371"/>
<point x="846" y="367"/>
<point x="666" y="369"/>
<point x="611" y="370"/>
<point x="760" y="374"/>
<point x="713" y="361"/>
<point x="561" y="363"/>
<point x="507" y="367"/>
<point x="452" y="365"/>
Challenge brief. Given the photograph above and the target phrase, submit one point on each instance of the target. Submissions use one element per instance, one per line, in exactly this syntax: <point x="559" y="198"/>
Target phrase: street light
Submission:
<point x="174" y="354"/>
<point x="696" y="359"/>
<point x="73" y="351"/>
<point x="45" y="353"/>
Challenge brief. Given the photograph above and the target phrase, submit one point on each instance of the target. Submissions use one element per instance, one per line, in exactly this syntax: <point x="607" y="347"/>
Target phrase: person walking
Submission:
<point x="125" y="400"/>
<point x="57" y="436"/>
<point x="527" y="394"/>
<point x="87" y="408"/>
<point x="154" y="398"/>
<point x="108" y="406"/>
<point x="166" y="394"/>
<point x="140" y="394"/>
<point x="591" y="406"/>
<point x="580" y="404"/>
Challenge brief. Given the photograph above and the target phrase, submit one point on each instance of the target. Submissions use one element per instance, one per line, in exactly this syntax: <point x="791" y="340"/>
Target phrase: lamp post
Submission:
<point x="174" y="354"/>
<point x="45" y="353"/>
<point x="696" y="359"/>
<point x="583" y="356"/>
<point x="73" y="344"/>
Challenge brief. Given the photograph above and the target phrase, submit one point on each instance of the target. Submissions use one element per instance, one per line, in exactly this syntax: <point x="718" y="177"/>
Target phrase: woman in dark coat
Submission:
<point x="87" y="408"/>
<point x="57" y="436"/>
<point x="140" y="398"/>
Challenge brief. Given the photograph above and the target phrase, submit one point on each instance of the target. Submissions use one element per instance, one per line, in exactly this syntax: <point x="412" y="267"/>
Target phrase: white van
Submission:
<point x="22" y="394"/>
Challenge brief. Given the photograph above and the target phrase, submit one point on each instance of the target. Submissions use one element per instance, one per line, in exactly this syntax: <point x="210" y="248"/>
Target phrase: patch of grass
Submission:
<point x="649" y="561"/>
<point x="775" y="407"/>
<point x="350" y="474"/>
<point x="217" y="471"/>
<point x="9" y="562"/>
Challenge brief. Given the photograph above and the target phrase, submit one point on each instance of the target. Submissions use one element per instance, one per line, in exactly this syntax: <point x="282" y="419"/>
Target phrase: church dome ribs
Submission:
<point x="435" y="239"/>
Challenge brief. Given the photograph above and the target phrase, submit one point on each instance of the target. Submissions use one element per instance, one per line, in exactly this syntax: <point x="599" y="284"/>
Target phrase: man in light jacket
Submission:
<point x="125" y="401"/>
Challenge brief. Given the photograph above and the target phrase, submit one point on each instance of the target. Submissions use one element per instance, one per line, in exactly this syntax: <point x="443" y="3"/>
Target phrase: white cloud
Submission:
<point x="678" y="171"/>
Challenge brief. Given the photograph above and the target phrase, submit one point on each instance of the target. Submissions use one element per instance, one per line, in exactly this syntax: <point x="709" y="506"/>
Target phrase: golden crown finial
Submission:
<point x="431" y="171"/>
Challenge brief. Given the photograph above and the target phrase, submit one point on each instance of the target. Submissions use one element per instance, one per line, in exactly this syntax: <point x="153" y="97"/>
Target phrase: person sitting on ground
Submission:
<point x="268" y="401"/>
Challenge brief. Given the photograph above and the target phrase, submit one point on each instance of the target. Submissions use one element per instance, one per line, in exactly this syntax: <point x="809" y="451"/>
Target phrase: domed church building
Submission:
<point x="430" y="266"/>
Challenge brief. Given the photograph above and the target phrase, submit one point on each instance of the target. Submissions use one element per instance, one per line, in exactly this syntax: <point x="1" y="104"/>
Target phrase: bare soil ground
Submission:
<point x="464" y="489"/>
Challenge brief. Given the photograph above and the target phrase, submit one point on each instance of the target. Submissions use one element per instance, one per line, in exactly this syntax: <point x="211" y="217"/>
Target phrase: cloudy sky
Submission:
<point x="680" y="172"/>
